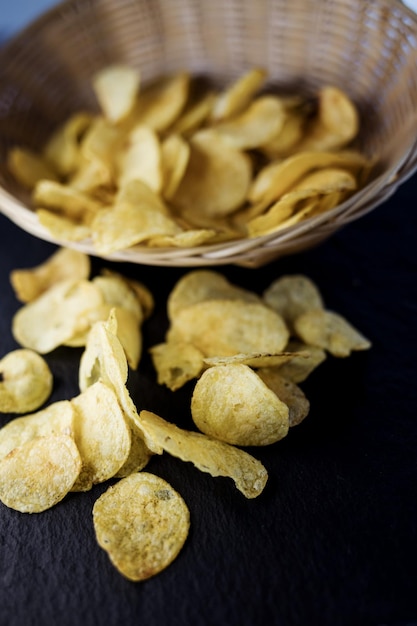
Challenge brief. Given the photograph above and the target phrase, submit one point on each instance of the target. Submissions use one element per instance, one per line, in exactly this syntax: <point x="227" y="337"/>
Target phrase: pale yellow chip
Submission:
<point x="117" y="292"/>
<point x="142" y="523"/>
<point x="143" y="293"/>
<point x="216" y="180"/>
<point x="288" y="392"/>
<point x="330" y="331"/>
<point x="256" y="126"/>
<point x="231" y="403"/>
<point x="116" y="88"/>
<point x="184" y="239"/>
<point x="286" y="140"/>
<point x="305" y="360"/>
<point x="56" y="419"/>
<point x="227" y="327"/>
<point x="65" y="200"/>
<point x="208" y="455"/>
<point x="29" y="283"/>
<point x="63" y="229"/>
<point x="28" y="167"/>
<point x="175" y="154"/>
<point x="56" y="315"/>
<point x="256" y="359"/>
<point x="176" y="363"/>
<point x="291" y="295"/>
<point x="194" y="115"/>
<point x="62" y="150"/>
<point x="201" y="285"/>
<point x="141" y="159"/>
<point x="26" y="381"/>
<point x="236" y="97"/>
<point x="38" y="474"/>
<point x="101" y="434"/>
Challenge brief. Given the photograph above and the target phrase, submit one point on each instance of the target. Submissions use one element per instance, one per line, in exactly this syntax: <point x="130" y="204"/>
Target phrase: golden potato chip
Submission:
<point x="201" y="285"/>
<point x="101" y="434"/>
<point x="330" y="331"/>
<point x="62" y="150"/>
<point x="141" y="159"/>
<point x="216" y="180"/>
<point x="65" y="200"/>
<point x="183" y="239"/>
<point x="56" y="419"/>
<point x="175" y="154"/>
<point x="102" y="141"/>
<point x="64" y="263"/>
<point x="288" y="136"/>
<point x="207" y="454"/>
<point x="288" y="392"/>
<point x="194" y="115"/>
<point x="305" y="360"/>
<point x="39" y="474"/>
<point x="255" y="126"/>
<point x="142" y="523"/>
<point x="118" y="293"/>
<point x="328" y="179"/>
<point x="232" y="403"/>
<point x="176" y="363"/>
<point x="25" y="381"/>
<point x="336" y="122"/>
<point x="143" y="294"/>
<point x="292" y="295"/>
<point x="238" y="95"/>
<point x="130" y="335"/>
<point x="62" y="228"/>
<point x="116" y="88"/>
<point x="28" y="167"/>
<point x="227" y="327"/>
<point x="256" y="359"/>
<point x="56" y="315"/>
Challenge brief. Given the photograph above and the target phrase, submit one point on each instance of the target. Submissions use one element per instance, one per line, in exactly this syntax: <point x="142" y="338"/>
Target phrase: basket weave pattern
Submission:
<point x="369" y="49"/>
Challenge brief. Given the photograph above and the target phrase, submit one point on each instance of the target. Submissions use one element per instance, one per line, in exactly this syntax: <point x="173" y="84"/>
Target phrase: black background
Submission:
<point x="333" y="538"/>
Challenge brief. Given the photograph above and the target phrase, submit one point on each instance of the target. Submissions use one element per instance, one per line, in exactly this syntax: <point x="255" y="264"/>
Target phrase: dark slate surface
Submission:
<point x="333" y="538"/>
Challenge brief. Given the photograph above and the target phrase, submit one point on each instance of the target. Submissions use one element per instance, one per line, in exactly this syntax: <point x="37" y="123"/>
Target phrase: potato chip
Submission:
<point x="231" y="403"/>
<point x="183" y="239"/>
<point x="289" y="135"/>
<point x="101" y="434"/>
<point x="292" y="295"/>
<point x="194" y="115"/>
<point x="176" y="363"/>
<point x="256" y="360"/>
<point x="25" y="381"/>
<point x="64" y="263"/>
<point x="56" y="419"/>
<point x="38" y="474"/>
<point x="143" y="294"/>
<point x="175" y="154"/>
<point x="328" y="179"/>
<point x="207" y="454"/>
<point x="61" y="228"/>
<point x="238" y="95"/>
<point x="28" y="168"/>
<point x="141" y="159"/>
<point x="201" y="285"/>
<point x="227" y="327"/>
<point x="117" y="293"/>
<point x="305" y="360"/>
<point x="102" y="141"/>
<point x="288" y="392"/>
<point x="56" y="315"/>
<point x="330" y="331"/>
<point x="142" y="523"/>
<point x="62" y="150"/>
<point x="116" y="88"/>
<point x="216" y="180"/>
<point x="65" y="200"/>
<point x="256" y="126"/>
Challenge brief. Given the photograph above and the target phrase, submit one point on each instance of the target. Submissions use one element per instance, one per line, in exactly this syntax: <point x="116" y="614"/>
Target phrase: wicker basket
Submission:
<point x="369" y="49"/>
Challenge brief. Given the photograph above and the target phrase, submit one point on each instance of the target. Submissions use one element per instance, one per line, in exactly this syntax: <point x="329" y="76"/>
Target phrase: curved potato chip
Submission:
<point x="55" y="419"/>
<point x="101" y="434"/>
<point x="194" y="114"/>
<point x="305" y="360"/>
<point x="143" y="294"/>
<point x="288" y="392"/>
<point x="328" y="179"/>
<point x="292" y="295"/>
<point x="216" y="180"/>
<point x="227" y="327"/>
<point x="233" y="404"/>
<point x="65" y="200"/>
<point x="62" y="228"/>
<point x="141" y="159"/>
<point x="25" y="381"/>
<point x="238" y="95"/>
<point x="56" y="315"/>
<point x="118" y="293"/>
<point x="330" y="331"/>
<point x="207" y="454"/>
<point x="62" y="150"/>
<point x="256" y="360"/>
<point x="176" y="363"/>
<point x="29" y="283"/>
<point x="116" y="88"/>
<point x="39" y="474"/>
<point x="288" y="136"/>
<point x="175" y="154"/>
<point x="142" y="523"/>
<point x="257" y="125"/>
<point x="201" y="285"/>
<point x="28" y="168"/>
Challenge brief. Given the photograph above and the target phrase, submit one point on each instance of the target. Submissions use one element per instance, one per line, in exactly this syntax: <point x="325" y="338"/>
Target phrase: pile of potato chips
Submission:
<point x="245" y="353"/>
<point x="180" y="164"/>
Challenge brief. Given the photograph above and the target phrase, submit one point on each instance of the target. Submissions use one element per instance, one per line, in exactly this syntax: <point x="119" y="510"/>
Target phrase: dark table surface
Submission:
<point x="333" y="538"/>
